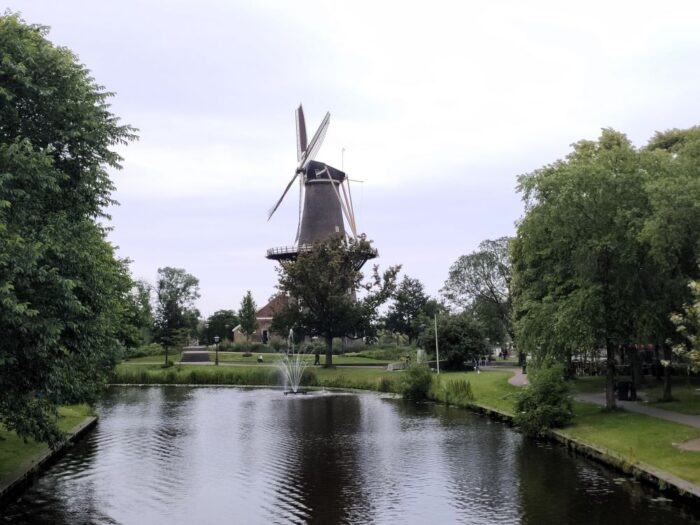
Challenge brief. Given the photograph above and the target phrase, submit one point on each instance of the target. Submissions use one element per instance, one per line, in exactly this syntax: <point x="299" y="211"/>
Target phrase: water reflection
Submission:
<point x="221" y="455"/>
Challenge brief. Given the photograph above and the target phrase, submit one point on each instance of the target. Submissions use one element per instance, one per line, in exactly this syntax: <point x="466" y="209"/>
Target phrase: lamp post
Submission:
<point x="216" y="343"/>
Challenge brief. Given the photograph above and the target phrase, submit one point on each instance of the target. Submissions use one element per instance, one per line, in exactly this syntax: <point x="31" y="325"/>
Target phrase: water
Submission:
<point x="182" y="455"/>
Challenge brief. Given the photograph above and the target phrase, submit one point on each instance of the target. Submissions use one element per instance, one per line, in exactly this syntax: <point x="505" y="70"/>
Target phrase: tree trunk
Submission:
<point x="668" y="354"/>
<point x="610" y="375"/>
<point x="329" y="351"/>
<point x="636" y="367"/>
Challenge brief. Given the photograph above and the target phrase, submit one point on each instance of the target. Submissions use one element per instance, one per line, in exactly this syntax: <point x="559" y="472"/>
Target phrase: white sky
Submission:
<point x="440" y="106"/>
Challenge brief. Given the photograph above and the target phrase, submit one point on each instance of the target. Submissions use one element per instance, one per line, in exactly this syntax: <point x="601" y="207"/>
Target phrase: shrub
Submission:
<point x="145" y="350"/>
<point x="546" y="403"/>
<point x="416" y="382"/>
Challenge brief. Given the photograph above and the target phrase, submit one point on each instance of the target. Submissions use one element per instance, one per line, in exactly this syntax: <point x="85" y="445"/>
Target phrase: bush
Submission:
<point x="546" y="403"/>
<point x="416" y="382"/>
<point x="145" y="351"/>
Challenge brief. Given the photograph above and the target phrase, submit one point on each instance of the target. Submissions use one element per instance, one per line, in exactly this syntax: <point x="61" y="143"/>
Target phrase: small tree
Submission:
<point x="323" y="283"/>
<point x="176" y="316"/>
<point x="220" y="323"/>
<point x="460" y="338"/>
<point x="546" y="403"/>
<point x="246" y="316"/>
<point x="403" y="316"/>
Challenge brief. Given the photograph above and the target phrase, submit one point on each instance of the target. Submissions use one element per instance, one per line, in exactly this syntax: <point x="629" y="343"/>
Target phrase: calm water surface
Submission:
<point x="181" y="455"/>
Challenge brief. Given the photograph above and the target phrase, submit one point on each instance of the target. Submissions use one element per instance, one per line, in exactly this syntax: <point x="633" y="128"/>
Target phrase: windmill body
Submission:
<point x="325" y="203"/>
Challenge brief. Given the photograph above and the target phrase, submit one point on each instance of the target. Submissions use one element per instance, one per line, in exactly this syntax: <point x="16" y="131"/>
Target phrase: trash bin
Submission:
<point x="623" y="390"/>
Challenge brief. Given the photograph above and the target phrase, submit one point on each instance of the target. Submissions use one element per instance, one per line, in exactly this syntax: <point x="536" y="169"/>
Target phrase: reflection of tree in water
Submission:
<point x="326" y="430"/>
<point x="556" y="487"/>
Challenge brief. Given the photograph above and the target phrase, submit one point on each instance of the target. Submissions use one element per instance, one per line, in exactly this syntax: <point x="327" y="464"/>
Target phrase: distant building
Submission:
<point x="266" y="313"/>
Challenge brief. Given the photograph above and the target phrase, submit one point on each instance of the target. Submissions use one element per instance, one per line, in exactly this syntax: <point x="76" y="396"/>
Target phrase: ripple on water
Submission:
<point x="177" y="456"/>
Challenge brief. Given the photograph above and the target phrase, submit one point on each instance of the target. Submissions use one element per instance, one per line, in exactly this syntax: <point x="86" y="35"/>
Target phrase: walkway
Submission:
<point x="520" y="379"/>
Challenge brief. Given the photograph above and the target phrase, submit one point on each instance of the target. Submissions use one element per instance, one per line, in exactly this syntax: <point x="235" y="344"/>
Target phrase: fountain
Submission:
<point x="292" y="366"/>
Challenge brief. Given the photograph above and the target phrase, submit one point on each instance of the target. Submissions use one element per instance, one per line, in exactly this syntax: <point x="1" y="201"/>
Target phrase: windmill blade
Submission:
<point x="301" y="133"/>
<point x="316" y="141"/>
<point x="274" y="208"/>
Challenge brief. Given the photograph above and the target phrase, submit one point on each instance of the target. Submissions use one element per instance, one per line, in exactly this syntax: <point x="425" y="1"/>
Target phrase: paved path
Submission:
<point x="520" y="379"/>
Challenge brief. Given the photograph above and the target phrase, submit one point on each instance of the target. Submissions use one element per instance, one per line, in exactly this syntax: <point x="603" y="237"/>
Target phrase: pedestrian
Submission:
<point x="317" y="357"/>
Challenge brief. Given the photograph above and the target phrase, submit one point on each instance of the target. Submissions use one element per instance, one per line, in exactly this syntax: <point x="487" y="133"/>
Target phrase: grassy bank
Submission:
<point x="15" y="452"/>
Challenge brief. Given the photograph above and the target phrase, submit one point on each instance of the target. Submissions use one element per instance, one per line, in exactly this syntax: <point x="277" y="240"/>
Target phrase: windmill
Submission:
<point x="325" y="199"/>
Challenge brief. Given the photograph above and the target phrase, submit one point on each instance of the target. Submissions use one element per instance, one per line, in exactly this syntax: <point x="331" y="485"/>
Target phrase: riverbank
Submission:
<point x="20" y="460"/>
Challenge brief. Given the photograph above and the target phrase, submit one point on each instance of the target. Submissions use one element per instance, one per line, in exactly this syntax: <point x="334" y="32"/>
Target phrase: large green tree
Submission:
<point x="176" y="314"/>
<point x="591" y="268"/>
<point x="404" y="315"/>
<point x="62" y="290"/>
<point x="220" y="324"/>
<point x="328" y="296"/>
<point x="247" y="315"/>
<point x="480" y="281"/>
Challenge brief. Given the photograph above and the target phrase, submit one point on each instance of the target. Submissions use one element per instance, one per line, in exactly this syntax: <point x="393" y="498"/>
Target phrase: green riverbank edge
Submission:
<point x="21" y="462"/>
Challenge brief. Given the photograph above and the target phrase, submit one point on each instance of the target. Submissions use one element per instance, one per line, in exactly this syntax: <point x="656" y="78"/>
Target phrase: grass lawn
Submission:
<point x="638" y="438"/>
<point x="686" y="392"/>
<point x="14" y="452"/>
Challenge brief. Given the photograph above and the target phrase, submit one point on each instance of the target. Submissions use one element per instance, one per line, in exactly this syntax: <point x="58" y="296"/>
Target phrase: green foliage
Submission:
<point x="416" y="382"/>
<point x="457" y="392"/>
<point x="461" y="339"/>
<point x="63" y="293"/>
<point x="246" y="315"/>
<point x="404" y="315"/>
<point x="144" y="351"/>
<point x="610" y="236"/>
<point x="323" y="281"/>
<point x="220" y="324"/>
<point x="481" y="281"/>
<point x="688" y="326"/>
<point x="176" y="315"/>
<point x="547" y="401"/>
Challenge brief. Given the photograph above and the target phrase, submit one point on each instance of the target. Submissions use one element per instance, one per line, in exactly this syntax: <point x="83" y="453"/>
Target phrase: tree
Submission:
<point x="323" y="283"/>
<point x="247" y="316"/>
<point x="137" y="326"/>
<point x="176" y="315"/>
<point x="481" y="281"/>
<point x="62" y="289"/>
<point x="592" y="265"/>
<point x="220" y="323"/>
<point x="461" y="339"/>
<point x="403" y="316"/>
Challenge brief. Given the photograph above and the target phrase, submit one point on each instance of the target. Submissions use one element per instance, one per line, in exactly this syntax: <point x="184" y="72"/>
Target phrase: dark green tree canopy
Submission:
<point x="404" y="315"/>
<point x="328" y="296"/>
<point x="606" y="246"/>
<point x="220" y="324"/>
<point x="63" y="292"/>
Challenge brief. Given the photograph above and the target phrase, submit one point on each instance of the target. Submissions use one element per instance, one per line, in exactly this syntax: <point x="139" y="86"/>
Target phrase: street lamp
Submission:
<point x="216" y="343"/>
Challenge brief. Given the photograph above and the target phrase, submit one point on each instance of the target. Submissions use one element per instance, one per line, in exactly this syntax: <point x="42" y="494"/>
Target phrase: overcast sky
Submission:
<point x="439" y="106"/>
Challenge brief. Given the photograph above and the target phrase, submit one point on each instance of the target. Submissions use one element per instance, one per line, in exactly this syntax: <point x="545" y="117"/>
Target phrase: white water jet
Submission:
<point x="292" y="366"/>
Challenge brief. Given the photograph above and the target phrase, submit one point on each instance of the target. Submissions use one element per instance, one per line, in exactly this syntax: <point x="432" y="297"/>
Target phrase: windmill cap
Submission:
<point x="315" y="170"/>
